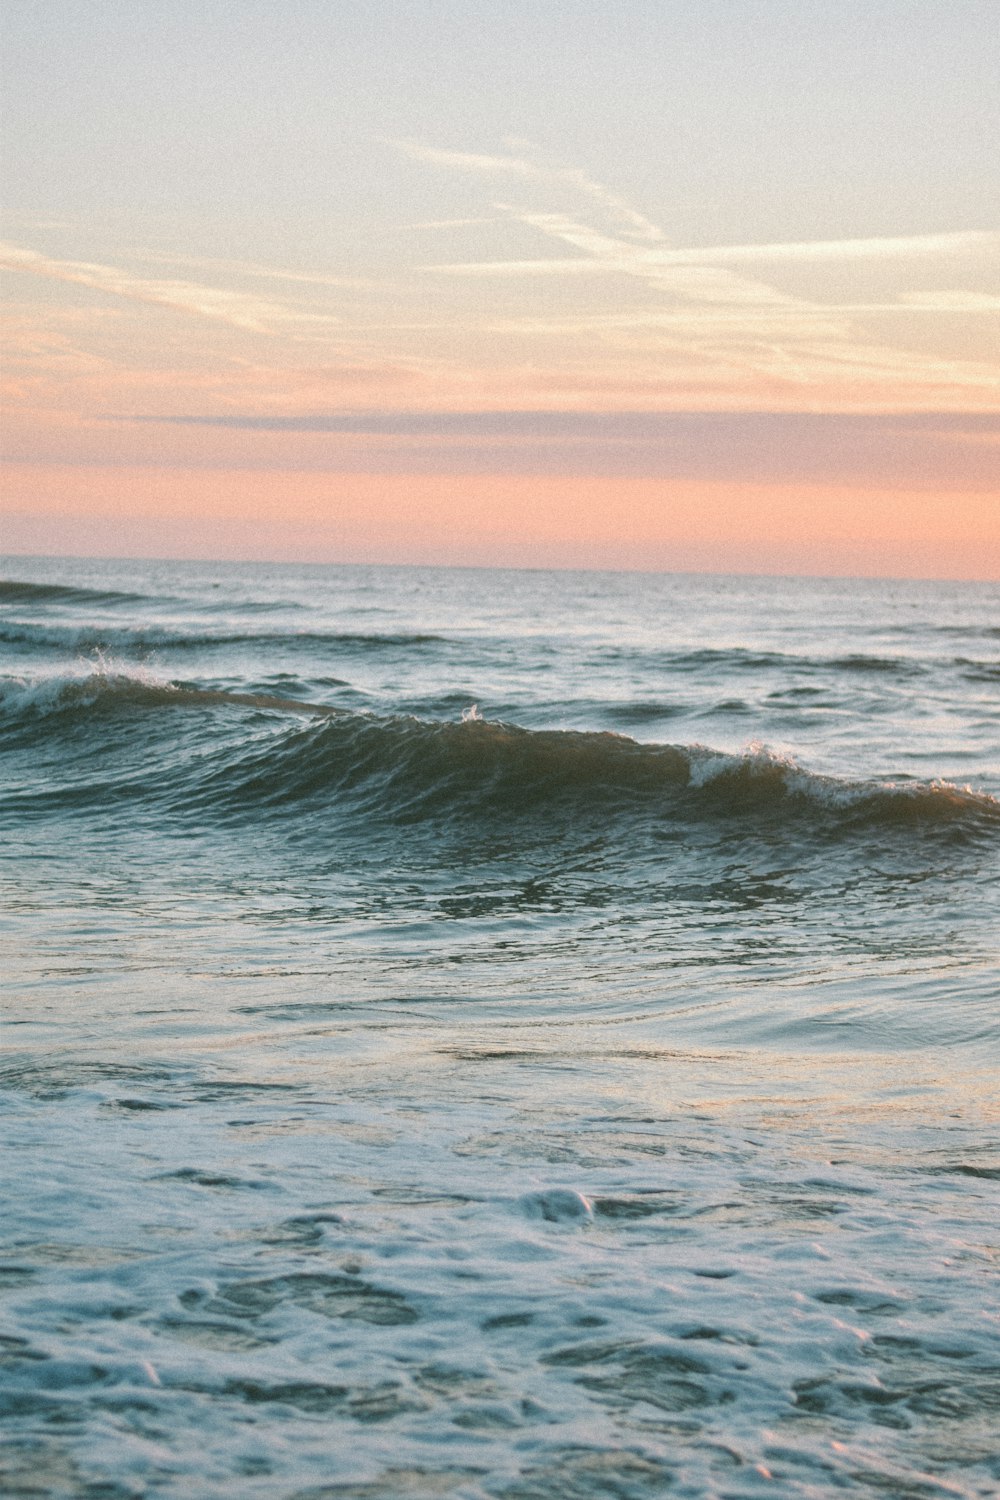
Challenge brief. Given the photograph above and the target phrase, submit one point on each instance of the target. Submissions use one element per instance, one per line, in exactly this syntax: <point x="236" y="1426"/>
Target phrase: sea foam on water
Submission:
<point x="586" y="1093"/>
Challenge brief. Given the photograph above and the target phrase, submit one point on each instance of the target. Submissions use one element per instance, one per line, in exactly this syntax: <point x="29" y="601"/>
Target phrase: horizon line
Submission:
<point x="246" y="562"/>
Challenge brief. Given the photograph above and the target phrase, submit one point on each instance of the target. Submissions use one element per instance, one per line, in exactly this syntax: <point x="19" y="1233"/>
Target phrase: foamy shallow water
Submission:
<point x="401" y="1108"/>
<point x="474" y="1261"/>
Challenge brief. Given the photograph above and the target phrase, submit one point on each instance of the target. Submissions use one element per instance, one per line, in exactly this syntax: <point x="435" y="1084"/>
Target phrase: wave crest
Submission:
<point x="13" y="590"/>
<point x="144" y="638"/>
<point x="106" y="685"/>
<point x="407" y="769"/>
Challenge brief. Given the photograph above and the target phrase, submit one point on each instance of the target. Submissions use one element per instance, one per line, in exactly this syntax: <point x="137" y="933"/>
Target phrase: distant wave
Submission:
<point x="856" y="662"/>
<point x="107" y="687"/>
<point x="145" y="638"/>
<point x="985" y="632"/>
<point x="741" y="658"/>
<point x="407" y="769"/>
<point x="141" y="640"/>
<point x="979" y="671"/>
<point x="14" y="591"/>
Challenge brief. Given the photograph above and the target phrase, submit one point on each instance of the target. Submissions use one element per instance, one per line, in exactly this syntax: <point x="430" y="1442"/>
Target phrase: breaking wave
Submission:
<point x="405" y="769"/>
<point x="103" y="687"/>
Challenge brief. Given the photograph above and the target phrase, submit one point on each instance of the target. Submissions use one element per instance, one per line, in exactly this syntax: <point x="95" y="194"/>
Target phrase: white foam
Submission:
<point x="379" y="1311"/>
<point x="556" y="1206"/>
<point x="51" y="689"/>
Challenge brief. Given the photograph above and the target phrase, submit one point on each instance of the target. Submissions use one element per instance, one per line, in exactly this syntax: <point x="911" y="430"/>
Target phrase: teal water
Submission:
<point x="498" y="1034"/>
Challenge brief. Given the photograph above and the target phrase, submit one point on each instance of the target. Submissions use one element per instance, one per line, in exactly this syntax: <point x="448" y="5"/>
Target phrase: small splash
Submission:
<point x="84" y="683"/>
<point x="557" y="1206"/>
<point x="471" y="715"/>
<point x="755" y="760"/>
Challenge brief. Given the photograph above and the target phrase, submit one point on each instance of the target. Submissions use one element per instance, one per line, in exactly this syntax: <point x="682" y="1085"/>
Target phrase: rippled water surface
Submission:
<point x="498" y="1035"/>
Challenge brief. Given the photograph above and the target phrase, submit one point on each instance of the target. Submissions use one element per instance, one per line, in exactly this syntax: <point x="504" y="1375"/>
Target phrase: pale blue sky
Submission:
<point x="260" y="129"/>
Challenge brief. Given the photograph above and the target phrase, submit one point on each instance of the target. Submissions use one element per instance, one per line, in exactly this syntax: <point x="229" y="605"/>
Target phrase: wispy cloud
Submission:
<point x="619" y="425"/>
<point x="222" y="304"/>
<point x="957" y="301"/>
<point x="909" y="449"/>
<point x="554" y="266"/>
<point x="606" y="254"/>
<point x="252" y="269"/>
<point x="530" y="166"/>
<point x="885" y="247"/>
<point x="720" y="304"/>
<point x="459" y="223"/>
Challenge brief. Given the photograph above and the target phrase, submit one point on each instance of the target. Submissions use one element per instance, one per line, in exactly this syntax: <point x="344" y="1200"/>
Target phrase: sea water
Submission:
<point x="504" y="1036"/>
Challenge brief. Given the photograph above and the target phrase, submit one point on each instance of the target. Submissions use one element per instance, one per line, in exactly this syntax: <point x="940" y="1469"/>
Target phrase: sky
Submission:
<point x="705" y="285"/>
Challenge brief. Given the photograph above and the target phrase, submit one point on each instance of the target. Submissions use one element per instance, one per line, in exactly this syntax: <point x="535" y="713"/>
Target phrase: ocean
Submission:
<point x="498" y="1035"/>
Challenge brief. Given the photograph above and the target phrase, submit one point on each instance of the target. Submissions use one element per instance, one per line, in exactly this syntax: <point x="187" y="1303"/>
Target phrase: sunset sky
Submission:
<point x="693" y="284"/>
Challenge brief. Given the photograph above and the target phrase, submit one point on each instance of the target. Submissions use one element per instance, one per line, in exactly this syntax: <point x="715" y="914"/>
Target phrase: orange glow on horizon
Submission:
<point x="490" y="520"/>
